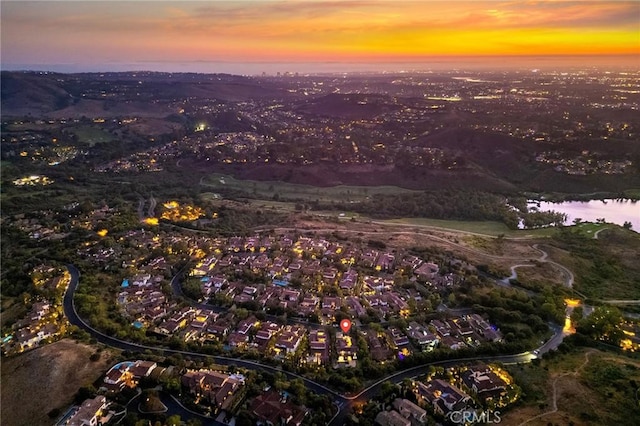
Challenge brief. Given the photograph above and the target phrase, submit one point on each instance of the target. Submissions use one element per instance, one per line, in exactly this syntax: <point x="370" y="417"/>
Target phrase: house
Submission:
<point x="214" y="387"/>
<point x="290" y="295"/>
<point x="219" y="330"/>
<point x="346" y="350"/>
<point x="290" y="339"/>
<point x="329" y="275"/>
<point x="385" y="262"/>
<point x="308" y="305"/>
<point x="397" y="303"/>
<point x="355" y="307"/>
<point x="422" y="335"/>
<point x="118" y="377"/>
<point x="391" y="418"/>
<point x="411" y="261"/>
<point x="238" y="340"/>
<point x="442" y="328"/>
<point x="39" y="310"/>
<point x="267" y="330"/>
<point x="462" y="326"/>
<point x="452" y="343"/>
<point x="318" y="347"/>
<point x="273" y="409"/>
<point x="442" y="396"/>
<point x="398" y="338"/>
<point x="426" y="271"/>
<point x="29" y="336"/>
<point x="409" y="410"/>
<point x="89" y="413"/>
<point x="331" y="302"/>
<point x="369" y="257"/>
<point x="484" y="382"/>
<point x="245" y="325"/>
<point x="377" y="346"/>
<point x="141" y="369"/>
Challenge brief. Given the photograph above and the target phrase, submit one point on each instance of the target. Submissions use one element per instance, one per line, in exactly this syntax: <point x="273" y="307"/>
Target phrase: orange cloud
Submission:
<point x="314" y="30"/>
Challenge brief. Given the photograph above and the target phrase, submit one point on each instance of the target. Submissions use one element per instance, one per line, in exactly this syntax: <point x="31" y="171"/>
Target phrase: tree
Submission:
<point x="627" y="225"/>
<point x="577" y="314"/>
<point x="244" y="418"/>
<point x="83" y="393"/>
<point x="388" y="391"/>
<point x="299" y="391"/>
<point x="603" y="324"/>
<point x="174" y="420"/>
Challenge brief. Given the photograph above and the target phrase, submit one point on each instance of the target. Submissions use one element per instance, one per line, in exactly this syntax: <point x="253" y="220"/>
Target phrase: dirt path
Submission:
<point x="568" y="275"/>
<point x="595" y="235"/>
<point x="554" y="401"/>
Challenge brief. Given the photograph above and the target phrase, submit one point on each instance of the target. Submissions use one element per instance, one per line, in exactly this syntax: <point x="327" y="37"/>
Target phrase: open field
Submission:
<point x="540" y="275"/>
<point x="634" y="193"/>
<point x="59" y="370"/>
<point x="591" y="388"/>
<point x="91" y="135"/>
<point x="292" y="191"/>
<point x="488" y="228"/>
<point x="606" y="267"/>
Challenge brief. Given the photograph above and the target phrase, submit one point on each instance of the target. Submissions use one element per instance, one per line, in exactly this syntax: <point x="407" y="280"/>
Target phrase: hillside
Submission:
<point x="32" y="94"/>
<point x="118" y="94"/>
<point x="60" y="368"/>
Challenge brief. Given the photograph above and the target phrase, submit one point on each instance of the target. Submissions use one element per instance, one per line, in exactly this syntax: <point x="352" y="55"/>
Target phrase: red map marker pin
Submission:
<point x="345" y="325"/>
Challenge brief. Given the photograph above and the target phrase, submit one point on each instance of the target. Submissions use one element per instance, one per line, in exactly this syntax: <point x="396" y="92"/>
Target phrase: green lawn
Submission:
<point x="633" y="193"/>
<point x="487" y="228"/>
<point x="590" y="228"/>
<point x="291" y="191"/>
<point x="91" y="135"/>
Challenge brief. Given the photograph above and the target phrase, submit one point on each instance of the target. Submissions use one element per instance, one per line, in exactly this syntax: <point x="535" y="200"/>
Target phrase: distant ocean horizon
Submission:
<point x="483" y="63"/>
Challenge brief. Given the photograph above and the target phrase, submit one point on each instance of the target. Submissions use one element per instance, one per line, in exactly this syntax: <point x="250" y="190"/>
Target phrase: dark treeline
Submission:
<point x="458" y="205"/>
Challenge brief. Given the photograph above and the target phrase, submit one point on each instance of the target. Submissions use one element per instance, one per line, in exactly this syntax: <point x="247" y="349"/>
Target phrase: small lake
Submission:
<point x="614" y="211"/>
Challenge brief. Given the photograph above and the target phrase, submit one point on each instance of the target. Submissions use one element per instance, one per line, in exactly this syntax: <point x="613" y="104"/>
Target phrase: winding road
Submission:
<point x="566" y="273"/>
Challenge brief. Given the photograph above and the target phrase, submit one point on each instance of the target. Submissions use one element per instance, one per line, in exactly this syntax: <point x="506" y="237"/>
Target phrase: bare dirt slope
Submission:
<point x="38" y="381"/>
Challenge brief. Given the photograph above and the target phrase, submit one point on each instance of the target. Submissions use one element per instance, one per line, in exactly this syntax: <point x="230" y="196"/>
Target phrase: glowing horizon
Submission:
<point x="108" y="34"/>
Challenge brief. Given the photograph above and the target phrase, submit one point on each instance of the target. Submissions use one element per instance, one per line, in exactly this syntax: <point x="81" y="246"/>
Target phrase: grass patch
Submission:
<point x="489" y="228"/>
<point x="298" y="192"/>
<point x="539" y="276"/>
<point x="91" y="135"/>
<point x="605" y="268"/>
<point x="633" y="193"/>
<point x="589" y="229"/>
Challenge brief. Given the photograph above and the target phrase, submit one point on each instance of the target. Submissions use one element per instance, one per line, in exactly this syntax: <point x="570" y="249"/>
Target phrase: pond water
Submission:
<point x="614" y="211"/>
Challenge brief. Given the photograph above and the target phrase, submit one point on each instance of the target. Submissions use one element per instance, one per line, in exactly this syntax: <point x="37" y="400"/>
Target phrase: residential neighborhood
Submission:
<point x="298" y="286"/>
<point x="44" y="321"/>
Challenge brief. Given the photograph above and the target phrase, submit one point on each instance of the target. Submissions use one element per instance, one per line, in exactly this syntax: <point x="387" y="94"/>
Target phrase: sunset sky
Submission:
<point x="251" y="36"/>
